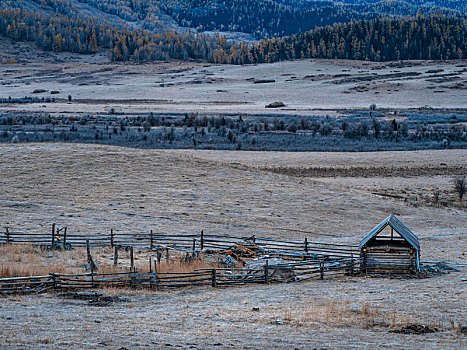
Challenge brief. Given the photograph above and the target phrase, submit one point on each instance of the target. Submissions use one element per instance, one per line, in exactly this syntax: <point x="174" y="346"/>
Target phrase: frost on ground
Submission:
<point x="92" y="188"/>
<point x="342" y="313"/>
<point x="306" y="87"/>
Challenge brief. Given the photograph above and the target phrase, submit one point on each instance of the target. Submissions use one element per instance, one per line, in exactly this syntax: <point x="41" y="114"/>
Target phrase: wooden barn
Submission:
<point x="390" y="248"/>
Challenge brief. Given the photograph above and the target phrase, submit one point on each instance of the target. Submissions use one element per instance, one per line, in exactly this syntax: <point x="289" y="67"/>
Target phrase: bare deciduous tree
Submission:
<point x="436" y="196"/>
<point x="460" y="186"/>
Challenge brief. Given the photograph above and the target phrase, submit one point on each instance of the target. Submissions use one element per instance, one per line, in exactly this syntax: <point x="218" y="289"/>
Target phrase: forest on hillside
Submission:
<point x="265" y="18"/>
<point x="73" y="34"/>
<point x="277" y="18"/>
<point x="422" y="37"/>
<point x="58" y="25"/>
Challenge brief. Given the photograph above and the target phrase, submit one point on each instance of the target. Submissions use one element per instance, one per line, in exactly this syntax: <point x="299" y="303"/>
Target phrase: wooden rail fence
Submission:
<point x="215" y="277"/>
<point x="302" y="259"/>
<point x="187" y="243"/>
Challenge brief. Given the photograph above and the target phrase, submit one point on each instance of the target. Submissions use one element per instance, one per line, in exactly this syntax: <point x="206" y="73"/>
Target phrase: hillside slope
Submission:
<point x="262" y="19"/>
<point x="139" y="31"/>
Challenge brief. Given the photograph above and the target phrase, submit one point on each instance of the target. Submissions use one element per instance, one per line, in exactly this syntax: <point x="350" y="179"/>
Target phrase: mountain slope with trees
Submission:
<point x="261" y="18"/>
<point x="422" y="37"/>
<point x="275" y="18"/>
<point x="61" y="25"/>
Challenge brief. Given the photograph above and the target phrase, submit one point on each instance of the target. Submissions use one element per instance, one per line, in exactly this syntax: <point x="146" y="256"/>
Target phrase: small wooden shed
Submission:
<point x="390" y="248"/>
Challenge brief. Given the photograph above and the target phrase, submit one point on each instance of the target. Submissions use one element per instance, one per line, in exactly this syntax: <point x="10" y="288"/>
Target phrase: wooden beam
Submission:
<point x="156" y="275"/>
<point x="64" y="238"/>
<point x="53" y="235"/>
<point x="321" y="269"/>
<point x="132" y="260"/>
<point x="213" y="278"/>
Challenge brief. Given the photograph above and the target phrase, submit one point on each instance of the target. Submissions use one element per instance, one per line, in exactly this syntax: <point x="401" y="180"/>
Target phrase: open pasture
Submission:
<point x="304" y="86"/>
<point x="92" y="188"/>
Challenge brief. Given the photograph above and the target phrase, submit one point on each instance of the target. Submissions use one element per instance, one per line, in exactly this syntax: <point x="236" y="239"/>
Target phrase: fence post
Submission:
<point x="159" y="255"/>
<point x="54" y="280"/>
<point x="363" y="261"/>
<point x="351" y="264"/>
<point x="151" y="244"/>
<point x="53" y="235"/>
<point x="167" y="255"/>
<point x="321" y="269"/>
<point x="91" y="263"/>
<point x="111" y="237"/>
<point x="151" y="278"/>
<point x="115" y="255"/>
<point x="306" y="245"/>
<point x="64" y="238"/>
<point x="201" y="242"/>
<point x="194" y="243"/>
<point x="157" y="276"/>
<point x="213" y="278"/>
<point x="132" y="259"/>
<point x="7" y="235"/>
<point x="88" y="251"/>
<point x="266" y="272"/>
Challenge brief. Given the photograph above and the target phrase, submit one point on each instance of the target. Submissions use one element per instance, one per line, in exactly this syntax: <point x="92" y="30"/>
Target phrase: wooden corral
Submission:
<point x="390" y="248"/>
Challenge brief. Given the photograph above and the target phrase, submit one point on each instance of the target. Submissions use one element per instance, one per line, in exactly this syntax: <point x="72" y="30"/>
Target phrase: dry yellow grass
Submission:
<point x="343" y="313"/>
<point x="21" y="260"/>
<point x="180" y="266"/>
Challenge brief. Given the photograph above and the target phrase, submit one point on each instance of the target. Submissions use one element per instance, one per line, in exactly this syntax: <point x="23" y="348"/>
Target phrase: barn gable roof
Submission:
<point x="398" y="226"/>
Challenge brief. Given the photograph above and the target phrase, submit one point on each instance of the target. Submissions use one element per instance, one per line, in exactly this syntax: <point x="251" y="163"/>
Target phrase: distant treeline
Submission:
<point x="433" y="36"/>
<point x="363" y="131"/>
<point x="422" y="37"/>
<point x="265" y="18"/>
<point x="276" y="18"/>
<point x="27" y="99"/>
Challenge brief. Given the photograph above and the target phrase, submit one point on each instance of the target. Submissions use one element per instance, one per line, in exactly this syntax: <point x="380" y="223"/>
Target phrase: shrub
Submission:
<point x="147" y="126"/>
<point x="292" y="127"/>
<point x="460" y="186"/>
<point x="275" y="105"/>
<point x="230" y="135"/>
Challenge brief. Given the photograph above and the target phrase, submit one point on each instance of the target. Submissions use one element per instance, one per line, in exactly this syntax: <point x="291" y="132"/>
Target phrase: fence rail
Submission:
<point x="156" y="280"/>
<point x="186" y="243"/>
<point x="302" y="259"/>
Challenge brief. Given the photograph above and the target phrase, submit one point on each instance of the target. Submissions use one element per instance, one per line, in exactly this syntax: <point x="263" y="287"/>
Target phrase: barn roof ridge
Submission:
<point x="397" y="225"/>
